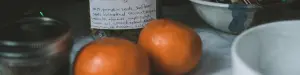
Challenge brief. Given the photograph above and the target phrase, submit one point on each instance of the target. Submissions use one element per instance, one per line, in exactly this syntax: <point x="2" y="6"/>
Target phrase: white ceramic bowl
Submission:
<point x="219" y="15"/>
<point x="268" y="49"/>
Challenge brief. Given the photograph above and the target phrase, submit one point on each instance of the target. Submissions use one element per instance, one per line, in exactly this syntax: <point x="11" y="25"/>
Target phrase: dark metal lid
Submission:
<point x="29" y="35"/>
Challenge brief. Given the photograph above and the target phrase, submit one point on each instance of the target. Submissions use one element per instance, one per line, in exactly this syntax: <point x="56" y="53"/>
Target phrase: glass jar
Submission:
<point x="34" y="46"/>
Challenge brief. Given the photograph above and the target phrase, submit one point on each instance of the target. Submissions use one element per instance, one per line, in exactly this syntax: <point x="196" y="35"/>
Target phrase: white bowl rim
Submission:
<point x="239" y="37"/>
<point x="223" y="5"/>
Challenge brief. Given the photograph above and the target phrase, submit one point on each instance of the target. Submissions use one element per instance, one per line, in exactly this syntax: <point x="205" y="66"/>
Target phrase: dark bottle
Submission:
<point x="12" y="10"/>
<point x="122" y="18"/>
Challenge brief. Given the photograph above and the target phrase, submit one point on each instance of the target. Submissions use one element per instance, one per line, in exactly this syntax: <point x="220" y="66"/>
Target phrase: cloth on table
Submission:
<point x="216" y="58"/>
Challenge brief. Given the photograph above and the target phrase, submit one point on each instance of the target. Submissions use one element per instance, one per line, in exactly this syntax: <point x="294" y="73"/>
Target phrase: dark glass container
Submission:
<point x="34" y="46"/>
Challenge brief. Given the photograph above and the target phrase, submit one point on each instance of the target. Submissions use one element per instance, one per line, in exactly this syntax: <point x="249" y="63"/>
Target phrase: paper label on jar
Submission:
<point x="121" y="14"/>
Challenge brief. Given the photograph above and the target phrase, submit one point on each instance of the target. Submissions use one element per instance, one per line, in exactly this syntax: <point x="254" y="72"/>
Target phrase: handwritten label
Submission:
<point x="121" y="14"/>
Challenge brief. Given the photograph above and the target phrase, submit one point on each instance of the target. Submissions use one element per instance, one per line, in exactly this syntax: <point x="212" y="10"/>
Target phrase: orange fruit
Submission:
<point x="173" y="48"/>
<point x="111" y="56"/>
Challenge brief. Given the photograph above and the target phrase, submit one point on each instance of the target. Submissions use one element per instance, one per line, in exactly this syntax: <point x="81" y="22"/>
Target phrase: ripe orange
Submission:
<point x="173" y="48"/>
<point x="111" y="56"/>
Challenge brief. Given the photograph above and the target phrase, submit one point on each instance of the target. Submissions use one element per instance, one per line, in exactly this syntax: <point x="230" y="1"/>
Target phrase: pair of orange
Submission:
<point x="170" y="47"/>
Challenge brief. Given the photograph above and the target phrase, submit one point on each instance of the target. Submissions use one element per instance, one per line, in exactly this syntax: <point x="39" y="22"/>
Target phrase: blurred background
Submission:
<point x="76" y="12"/>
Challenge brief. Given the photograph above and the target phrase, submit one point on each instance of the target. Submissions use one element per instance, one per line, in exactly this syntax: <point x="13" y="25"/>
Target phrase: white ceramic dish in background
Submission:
<point x="268" y="49"/>
<point x="219" y="16"/>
